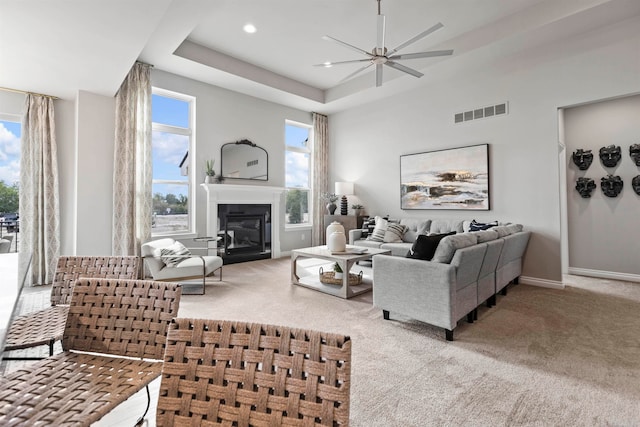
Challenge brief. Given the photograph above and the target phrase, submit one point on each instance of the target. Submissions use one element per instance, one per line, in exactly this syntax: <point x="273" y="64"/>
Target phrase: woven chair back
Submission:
<point x="70" y="268"/>
<point x="234" y="373"/>
<point x="121" y="317"/>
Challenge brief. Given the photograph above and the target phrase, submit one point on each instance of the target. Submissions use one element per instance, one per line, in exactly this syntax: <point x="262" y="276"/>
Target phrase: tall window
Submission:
<point x="172" y="115"/>
<point x="297" y="173"/>
<point x="10" y="132"/>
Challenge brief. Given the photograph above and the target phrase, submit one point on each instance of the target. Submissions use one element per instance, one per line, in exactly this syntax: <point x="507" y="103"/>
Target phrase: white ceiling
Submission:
<point x="60" y="47"/>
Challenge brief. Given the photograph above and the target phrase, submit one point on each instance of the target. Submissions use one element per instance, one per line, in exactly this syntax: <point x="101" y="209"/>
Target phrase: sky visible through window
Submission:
<point x="297" y="163"/>
<point x="169" y="149"/>
<point x="10" y="152"/>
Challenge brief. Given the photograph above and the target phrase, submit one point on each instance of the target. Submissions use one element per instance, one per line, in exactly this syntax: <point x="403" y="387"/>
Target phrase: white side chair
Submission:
<point x="5" y="244"/>
<point x="191" y="267"/>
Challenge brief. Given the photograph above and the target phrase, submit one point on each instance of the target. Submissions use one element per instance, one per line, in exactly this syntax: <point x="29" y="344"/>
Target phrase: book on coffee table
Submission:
<point x="352" y="250"/>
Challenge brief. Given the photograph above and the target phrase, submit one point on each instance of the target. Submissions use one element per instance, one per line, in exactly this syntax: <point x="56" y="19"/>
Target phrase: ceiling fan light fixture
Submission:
<point x="380" y="55"/>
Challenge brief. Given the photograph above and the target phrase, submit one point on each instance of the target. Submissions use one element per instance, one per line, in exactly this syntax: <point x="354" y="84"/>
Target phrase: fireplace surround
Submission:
<point x="247" y="206"/>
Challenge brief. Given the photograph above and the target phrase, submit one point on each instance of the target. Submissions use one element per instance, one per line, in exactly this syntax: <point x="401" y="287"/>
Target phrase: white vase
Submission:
<point x="333" y="227"/>
<point x="208" y="179"/>
<point x="337" y="242"/>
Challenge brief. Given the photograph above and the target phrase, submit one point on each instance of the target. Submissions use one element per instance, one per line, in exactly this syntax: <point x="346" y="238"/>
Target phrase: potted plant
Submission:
<point x="209" y="171"/>
<point x="330" y="198"/>
<point x="337" y="271"/>
<point x="358" y="209"/>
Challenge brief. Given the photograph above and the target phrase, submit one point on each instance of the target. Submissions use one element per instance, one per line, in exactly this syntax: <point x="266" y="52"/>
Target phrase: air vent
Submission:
<point x="481" y="113"/>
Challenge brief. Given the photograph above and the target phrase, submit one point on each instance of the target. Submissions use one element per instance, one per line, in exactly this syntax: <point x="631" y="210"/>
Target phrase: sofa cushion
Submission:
<point x="367" y="243"/>
<point x="502" y="230"/>
<point x="379" y="230"/>
<point x="450" y="244"/>
<point x="477" y="226"/>
<point x="415" y="227"/>
<point x="485" y="235"/>
<point x="514" y="228"/>
<point x="425" y="246"/>
<point x="399" y="249"/>
<point x="173" y="254"/>
<point x="394" y="233"/>
<point x="439" y="226"/>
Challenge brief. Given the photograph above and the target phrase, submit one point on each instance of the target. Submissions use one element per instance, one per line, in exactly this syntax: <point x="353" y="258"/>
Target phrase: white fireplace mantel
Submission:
<point x="244" y="194"/>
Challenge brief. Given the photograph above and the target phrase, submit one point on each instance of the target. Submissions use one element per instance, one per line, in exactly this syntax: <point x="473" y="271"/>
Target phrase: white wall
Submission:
<point x="366" y="142"/>
<point x="604" y="238"/>
<point x="224" y="116"/>
<point x="95" y="130"/>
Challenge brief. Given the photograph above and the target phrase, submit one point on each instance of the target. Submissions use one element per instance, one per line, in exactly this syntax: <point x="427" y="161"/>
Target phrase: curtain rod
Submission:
<point x="6" y="89"/>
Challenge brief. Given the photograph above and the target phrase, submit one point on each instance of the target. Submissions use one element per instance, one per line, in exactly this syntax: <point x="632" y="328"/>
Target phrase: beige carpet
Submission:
<point x="541" y="357"/>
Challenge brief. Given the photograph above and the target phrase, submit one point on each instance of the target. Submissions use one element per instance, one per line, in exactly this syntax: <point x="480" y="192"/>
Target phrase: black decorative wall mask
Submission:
<point x="610" y="155"/>
<point x="611" y="185"/>
<point x="582" y="158"/>
<point x="634" y="152"/>
<point x="635" y="183"/>
<point x="585" y="186"/>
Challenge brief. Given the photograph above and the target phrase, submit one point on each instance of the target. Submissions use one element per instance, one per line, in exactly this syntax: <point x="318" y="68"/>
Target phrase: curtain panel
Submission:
<point x="132" y="163"/>
<point x="39" y="198"/>
<point x="320" y="175"/>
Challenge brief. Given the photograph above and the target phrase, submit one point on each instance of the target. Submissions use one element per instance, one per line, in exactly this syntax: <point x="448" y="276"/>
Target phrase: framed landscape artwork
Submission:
<point x="456" y="178"/>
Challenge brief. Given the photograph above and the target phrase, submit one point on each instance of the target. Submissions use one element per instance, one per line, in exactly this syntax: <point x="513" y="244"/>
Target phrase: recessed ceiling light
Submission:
<point x="249" y="28"/>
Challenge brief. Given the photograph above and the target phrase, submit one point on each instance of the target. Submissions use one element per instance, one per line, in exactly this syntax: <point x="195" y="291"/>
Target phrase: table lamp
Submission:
<point x="346" y="189"/>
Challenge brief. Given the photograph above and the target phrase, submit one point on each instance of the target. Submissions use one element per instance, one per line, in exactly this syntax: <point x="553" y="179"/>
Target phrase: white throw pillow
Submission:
<point x="174" y="254"/>
<point x="394" y="233"/>
<point x="379" y="230"/>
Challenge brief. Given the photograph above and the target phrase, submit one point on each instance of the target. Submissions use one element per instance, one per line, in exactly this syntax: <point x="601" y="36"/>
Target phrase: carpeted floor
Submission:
<point x="540" y="357"/>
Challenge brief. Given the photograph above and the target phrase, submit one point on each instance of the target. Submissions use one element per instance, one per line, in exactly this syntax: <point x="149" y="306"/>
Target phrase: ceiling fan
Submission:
<point x="380" y="55"/>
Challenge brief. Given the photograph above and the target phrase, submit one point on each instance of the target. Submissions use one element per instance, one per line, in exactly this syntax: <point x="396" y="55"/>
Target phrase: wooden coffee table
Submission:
<point x="345" y="260"/>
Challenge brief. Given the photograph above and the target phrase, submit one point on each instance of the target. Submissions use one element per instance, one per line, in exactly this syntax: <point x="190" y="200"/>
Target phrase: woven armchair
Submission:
<point x="122" y="324"/>
<point x="234" y="373"/>
<point x="45" y="327"/>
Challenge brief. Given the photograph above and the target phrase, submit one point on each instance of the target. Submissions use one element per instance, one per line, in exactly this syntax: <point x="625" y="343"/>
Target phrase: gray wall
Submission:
<point x="604" y="238"/>
<point x="366" y="142"/>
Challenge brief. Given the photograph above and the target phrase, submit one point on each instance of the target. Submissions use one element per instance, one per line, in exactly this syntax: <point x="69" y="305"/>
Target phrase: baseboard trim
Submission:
<point x="626" y="277"/>
<point x="544" y="283"/>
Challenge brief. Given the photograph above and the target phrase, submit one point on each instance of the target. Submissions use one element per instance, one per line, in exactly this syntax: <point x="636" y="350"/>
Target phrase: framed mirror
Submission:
<point x="244" y="160"/>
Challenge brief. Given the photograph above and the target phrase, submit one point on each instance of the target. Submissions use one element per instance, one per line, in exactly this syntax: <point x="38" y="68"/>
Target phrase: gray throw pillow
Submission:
<point x="485" y="235"/>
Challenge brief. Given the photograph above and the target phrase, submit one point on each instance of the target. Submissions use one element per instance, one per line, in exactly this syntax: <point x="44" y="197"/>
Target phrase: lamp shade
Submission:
<point x="344" y="188"/>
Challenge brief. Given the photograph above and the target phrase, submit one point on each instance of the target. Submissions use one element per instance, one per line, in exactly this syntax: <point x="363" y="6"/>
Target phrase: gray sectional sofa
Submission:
<point x="467" y="269"/>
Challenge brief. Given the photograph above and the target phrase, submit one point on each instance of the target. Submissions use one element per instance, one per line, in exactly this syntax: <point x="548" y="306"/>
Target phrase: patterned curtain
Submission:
<point x="39" y="200"/>
<point x="320" y="175"/>
<point x="132" y="163"/>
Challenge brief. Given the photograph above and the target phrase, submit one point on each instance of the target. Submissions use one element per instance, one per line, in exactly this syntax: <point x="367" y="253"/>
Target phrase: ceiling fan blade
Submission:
<point x="422" y="54"/>
<point x="331" y="64"/>
<point x="416" y="38"/>
<point x="378" y="75"/>
<point x="381" y="31"/>
<point x="355" y="73"/>
<point x="347" y="45"/>
<point x="404" y="69"/>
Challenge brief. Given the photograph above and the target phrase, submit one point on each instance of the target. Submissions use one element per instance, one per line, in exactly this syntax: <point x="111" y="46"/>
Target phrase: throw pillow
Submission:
<point x="174" y="254"/>
<point x="486" y="235"/>
<point x="379" y="231"/>
<point x="477" y="226"/>
<point x="425" y="246"/>
<point x="394" y="233"/>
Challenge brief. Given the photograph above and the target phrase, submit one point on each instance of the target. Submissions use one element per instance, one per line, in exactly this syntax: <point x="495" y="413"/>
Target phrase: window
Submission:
<point x="172" y="115"/>
<point x="10" y="132"/>
<point x="297" y="173"/>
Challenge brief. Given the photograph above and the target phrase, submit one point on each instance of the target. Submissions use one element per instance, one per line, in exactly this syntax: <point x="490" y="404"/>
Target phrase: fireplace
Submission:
<point x="237" y="213"/>
<point x="245" y="230"/>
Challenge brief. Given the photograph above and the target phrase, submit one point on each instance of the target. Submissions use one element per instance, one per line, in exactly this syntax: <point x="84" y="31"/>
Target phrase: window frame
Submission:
<point x="191" y="134"/>
<point x="308" y="150"/>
